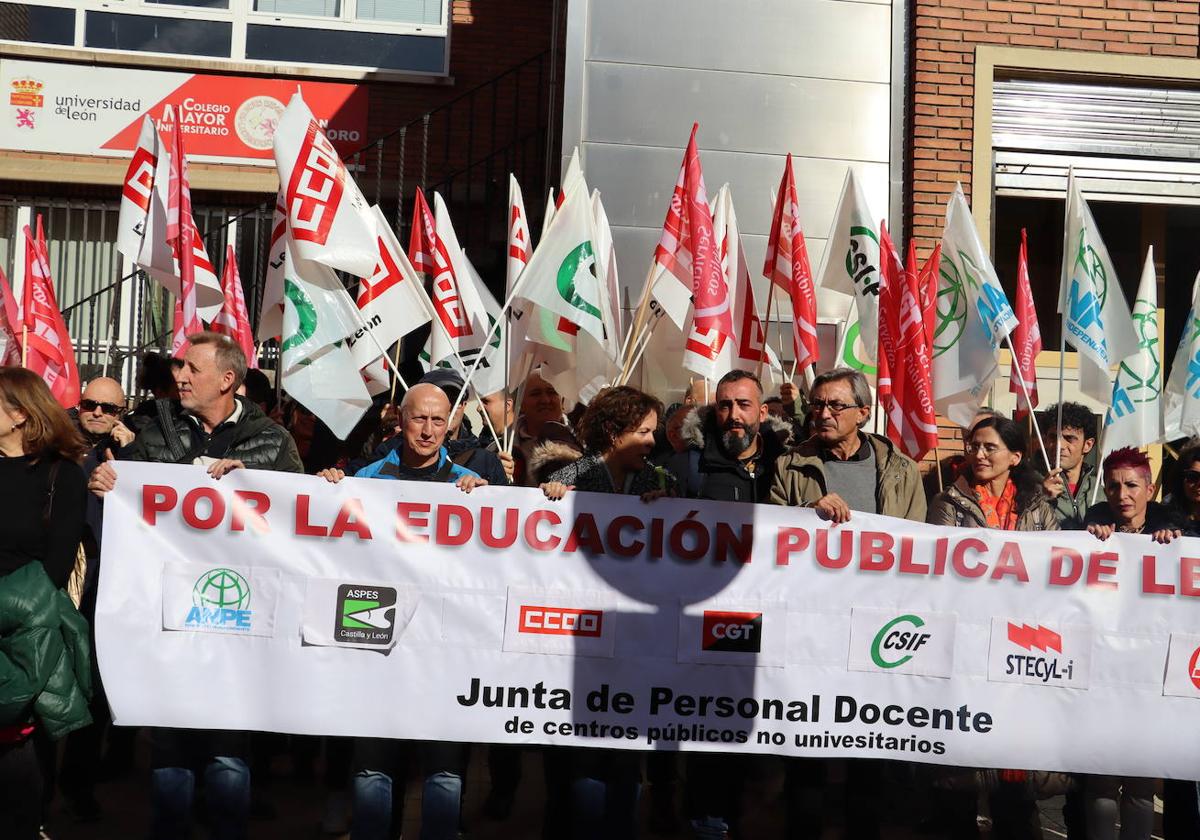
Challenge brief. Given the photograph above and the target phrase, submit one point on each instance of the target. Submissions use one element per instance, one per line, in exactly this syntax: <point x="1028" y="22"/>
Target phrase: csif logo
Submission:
<point x="740" y="632"/>
<point x="220" y="600"/>
<point x="560" y="621"/>
<point x="898" y="641"/>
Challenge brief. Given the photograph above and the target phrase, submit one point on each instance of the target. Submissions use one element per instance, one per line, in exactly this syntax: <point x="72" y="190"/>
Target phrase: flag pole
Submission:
<point x="1029" y="402"/>
<point x="1062" y="349"/>
<point x="937" y="467"/>
<point x="396" y="372"/>
<point x="766" y="330"/>
<point x="1100" y="457"/>
<point x="24" y="343"/>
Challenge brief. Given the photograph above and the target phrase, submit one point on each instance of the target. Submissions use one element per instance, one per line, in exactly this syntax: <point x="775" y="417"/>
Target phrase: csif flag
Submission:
<point x="1026" y="338"/>
<point x="1183" y="386"/>
<point x="850" y="265"/>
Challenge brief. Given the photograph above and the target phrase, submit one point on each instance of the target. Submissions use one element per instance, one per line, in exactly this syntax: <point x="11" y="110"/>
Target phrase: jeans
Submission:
<point x="1106" y="797"/>
<point x="227" y="781"/>
<point x="377" y="762"/>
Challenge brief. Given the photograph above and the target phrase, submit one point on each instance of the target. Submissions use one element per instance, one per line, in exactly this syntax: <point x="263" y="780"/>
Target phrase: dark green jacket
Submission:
<point x="45" y="664"/>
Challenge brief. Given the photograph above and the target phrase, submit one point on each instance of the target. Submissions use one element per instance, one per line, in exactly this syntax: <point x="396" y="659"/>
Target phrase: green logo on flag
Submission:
<point x="1089" y="262"/>
<point x="580" y="259"/>
<point x="951" y="309"/>
<point x="365" y="614"/>
<point x="223" y="589"/>
<point x="854" y="354"/>
<point x="1143" y="389"/>
<point x="306" y="315"/>
<point x="862" y="269"/>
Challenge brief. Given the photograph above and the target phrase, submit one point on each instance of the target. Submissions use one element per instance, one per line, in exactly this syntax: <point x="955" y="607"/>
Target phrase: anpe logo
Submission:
<point x="560" y="621"/>
<point x="220" y="599"/>
<point x="898" y="636"/>
<point x="1194" y="668"/>
<point x="365" y="614"/>
<point x="732" y="631"/>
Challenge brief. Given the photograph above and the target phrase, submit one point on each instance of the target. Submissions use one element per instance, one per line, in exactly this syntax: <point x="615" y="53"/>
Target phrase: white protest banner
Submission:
<point x="602" y="621"/>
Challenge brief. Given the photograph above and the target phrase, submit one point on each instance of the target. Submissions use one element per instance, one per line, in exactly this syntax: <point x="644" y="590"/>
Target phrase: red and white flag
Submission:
<point x="927" y="282"/>
<point x="905" y="384"/>
<point x="329" y="221"/>
<point x="233" y="320"/>
<point x="423" y="238"/>
<point x="10" y="325"/>
<point x="1026" y="338"/>
<point x="787" y="266"/>
<point x="182" y="236"/>
<point x="688" y="252"/>
<point x="270" y="320"/>
<point x="49" y="353"/>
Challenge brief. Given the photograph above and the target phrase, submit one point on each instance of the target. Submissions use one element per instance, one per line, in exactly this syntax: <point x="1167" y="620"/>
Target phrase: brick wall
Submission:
<point x="946" y="35"/>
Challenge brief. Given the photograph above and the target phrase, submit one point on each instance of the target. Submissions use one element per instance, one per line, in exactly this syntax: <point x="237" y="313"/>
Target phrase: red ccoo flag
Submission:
<point x="10" y="329"/>
<point x="48" y="344"/>
<point x="927" y="283"/>
<point x="233" y="320"/>
<point x="787" y="266"/>
<point x="182" y="236"/>
<point x="422" y="242"/>
<point x="1026" y="338"/>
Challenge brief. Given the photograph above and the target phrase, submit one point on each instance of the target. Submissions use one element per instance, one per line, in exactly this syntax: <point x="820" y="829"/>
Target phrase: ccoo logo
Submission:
<point x="732" y="631"/>
<point x="560" y="621"/>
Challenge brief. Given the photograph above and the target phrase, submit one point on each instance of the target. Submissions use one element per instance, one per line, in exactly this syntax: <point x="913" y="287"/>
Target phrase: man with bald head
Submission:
<point x="379" y="763"/>
<point x="100" y="411"/>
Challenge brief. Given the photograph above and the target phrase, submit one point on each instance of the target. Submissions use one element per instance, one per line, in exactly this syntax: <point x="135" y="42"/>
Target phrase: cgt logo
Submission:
<point x="560" y="621"/>
<point x="901" y="635"/>
<point x="732" y="631"/>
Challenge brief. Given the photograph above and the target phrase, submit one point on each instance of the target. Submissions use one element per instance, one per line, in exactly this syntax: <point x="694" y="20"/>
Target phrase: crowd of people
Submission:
<point x="731" y="444"/>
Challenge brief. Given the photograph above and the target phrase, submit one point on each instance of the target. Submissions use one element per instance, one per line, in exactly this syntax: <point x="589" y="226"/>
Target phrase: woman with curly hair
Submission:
<point x="604" y="785"/>
<point x="617" y="431"/>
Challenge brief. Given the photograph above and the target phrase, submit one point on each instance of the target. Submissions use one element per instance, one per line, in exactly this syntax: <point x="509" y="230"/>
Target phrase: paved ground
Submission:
<point x="299" y="803"/>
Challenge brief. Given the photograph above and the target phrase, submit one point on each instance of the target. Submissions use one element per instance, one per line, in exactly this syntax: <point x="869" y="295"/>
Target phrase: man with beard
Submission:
<point x="734" y="443"/>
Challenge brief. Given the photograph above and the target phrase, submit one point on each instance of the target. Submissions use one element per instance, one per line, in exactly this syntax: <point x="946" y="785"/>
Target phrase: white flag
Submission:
<point x="1096" y="318"/>
<point x="1183" y="387"/>
<point x="318" y="369"/>
<point x="978" y="318"/>
<point x="137" y="195"/>
<point x="460" y="312"/>
<point x="850" y="265"/>
<point x="270" y="320"/>
<point x="1135" y="416"/>
<point x="606" y="270"/>
<point x="392" y="301"/>
<point x="329" y="221"/>
<point x="561" y="275"/>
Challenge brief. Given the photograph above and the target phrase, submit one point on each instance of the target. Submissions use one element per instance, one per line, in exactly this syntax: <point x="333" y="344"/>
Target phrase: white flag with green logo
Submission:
<point x="1135" y="415"/>
<point x="1096" y="318"/>
<point x="319" y="370"/>
<point x="973" y="318"/>
<point x="561" y="275"/>
<point x="851" y="266"/>
<point x="1183" y="386"/>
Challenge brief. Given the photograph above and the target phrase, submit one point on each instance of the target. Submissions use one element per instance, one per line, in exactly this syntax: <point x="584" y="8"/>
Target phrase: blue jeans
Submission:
<point x="227" y="781"/>
<point x="604" y="808"/>
<point x="441" y="804"/>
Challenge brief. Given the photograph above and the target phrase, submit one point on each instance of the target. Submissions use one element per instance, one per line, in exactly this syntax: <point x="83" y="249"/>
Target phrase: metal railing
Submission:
<point x="464" y="149"/>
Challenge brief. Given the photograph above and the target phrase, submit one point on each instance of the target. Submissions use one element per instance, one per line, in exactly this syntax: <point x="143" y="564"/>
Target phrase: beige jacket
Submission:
<point x="800" y="479"/>
<point x="959" y="505"/>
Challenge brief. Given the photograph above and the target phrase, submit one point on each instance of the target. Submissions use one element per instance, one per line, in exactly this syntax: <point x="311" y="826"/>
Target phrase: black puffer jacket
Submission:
<point x="167" y="436"/>
<point x="711" y="473"/>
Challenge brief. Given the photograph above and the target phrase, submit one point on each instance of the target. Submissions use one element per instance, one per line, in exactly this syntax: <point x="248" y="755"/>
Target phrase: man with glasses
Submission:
<point x="99" y="417"/>
<point x="841" y="469"/>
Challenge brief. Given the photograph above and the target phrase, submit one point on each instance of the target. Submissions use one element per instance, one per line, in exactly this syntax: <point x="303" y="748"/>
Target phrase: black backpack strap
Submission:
<point x="170" y="435"/>
<point x="445" y="471"/>
<point x="466" y="455"/>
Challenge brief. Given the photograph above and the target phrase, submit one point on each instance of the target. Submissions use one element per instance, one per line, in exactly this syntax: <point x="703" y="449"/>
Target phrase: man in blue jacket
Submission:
<point x="379" y="763"/>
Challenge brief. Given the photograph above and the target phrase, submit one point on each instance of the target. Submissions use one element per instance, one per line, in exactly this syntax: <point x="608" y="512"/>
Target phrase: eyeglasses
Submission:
<point x="835" y="408"/>
<point x="988" y="449"/>
<point x="111" y="409"/>
<point x="1191" y="476"/>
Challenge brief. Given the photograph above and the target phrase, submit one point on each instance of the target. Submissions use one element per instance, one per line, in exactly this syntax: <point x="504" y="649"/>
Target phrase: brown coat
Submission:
<point x="958" y="505"/>
<point x="800" y="479"/>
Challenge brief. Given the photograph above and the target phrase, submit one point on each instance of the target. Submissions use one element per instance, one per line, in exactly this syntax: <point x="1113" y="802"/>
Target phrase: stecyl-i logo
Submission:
<point x="366" y="615"/>
<point x="220" y="600"/>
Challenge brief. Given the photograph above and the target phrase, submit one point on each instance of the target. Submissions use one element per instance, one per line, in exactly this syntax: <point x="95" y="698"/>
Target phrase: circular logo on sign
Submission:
<point x="223" y="589"/>
<point x="1194" y="667"/>
<point x="256" y="121"/>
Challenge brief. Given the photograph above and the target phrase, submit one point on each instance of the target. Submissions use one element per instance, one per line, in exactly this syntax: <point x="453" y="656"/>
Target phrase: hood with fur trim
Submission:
<point x="703" y="422"/>
<point x="548" y="457"/>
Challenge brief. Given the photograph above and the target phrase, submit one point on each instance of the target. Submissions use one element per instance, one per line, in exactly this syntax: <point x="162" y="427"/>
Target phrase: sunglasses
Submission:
<point x="111" y="409"/>
<point x="1191" y="476"/>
